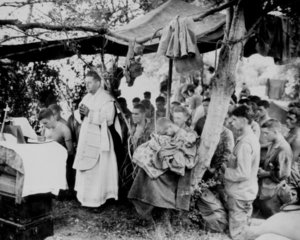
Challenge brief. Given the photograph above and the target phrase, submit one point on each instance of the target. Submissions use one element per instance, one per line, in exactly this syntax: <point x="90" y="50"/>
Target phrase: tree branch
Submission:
<point x="249" y="33"/>
<point x="104" y="30"/>
<point x="37" y="36"/>
<point x="22" y="4"/>
<point x="24" y="27"/>
<point x="252" y="30"/>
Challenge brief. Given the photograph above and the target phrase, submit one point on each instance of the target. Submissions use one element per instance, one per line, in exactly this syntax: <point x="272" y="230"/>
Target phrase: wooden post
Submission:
<point x="202" y="72"/>
<point x="169" y="86"/>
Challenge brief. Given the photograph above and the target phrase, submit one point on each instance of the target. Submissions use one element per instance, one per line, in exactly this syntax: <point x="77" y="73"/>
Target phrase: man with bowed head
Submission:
<point x="95" y="161"/>
<point x="276" y="168"/>
<point x="56" y="130"/>
<point x="60" y="132"/>
<point x="240" y="177"/>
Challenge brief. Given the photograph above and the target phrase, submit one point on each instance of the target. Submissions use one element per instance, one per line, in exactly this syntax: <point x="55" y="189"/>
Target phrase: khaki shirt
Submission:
<point x="241" y="177"/>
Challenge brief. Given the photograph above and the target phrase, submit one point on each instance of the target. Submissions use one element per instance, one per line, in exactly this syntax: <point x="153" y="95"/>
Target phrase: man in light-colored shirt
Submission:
<point x="240" y="175"/>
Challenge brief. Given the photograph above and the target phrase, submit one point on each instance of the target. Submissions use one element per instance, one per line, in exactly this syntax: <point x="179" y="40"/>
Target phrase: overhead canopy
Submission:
<point x="275" y="36"/>
<point x="209" y="31"/>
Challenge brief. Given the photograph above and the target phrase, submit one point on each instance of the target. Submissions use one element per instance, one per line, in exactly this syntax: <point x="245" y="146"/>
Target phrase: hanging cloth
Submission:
<point x="179" y="42"/>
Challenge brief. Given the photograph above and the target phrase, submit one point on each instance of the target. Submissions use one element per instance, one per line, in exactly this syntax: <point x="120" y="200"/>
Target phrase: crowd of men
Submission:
<point x="256" y="162"/>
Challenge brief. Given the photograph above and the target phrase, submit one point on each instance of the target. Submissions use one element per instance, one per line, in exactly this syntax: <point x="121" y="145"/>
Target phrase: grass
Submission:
<point x="117" y="221"/>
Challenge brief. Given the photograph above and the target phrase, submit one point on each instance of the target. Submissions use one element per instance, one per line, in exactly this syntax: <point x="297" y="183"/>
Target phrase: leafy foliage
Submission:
<point x="94" y="13"/>
<point x="23" y="87"/>
<point x="42" y="83"/>
<point x="195" y="214"/>
<point x="13" y="88"/>
<point x="293" y="71"/>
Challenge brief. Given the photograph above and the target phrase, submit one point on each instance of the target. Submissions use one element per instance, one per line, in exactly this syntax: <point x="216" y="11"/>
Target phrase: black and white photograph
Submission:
<point x="150" y="119"/>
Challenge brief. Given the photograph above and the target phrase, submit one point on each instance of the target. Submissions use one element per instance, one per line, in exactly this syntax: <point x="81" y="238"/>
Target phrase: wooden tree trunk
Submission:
<point x="223" y="85"/>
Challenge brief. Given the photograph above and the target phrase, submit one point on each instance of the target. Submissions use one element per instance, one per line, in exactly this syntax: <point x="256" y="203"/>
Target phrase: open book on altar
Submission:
<point x="26" y="128"/>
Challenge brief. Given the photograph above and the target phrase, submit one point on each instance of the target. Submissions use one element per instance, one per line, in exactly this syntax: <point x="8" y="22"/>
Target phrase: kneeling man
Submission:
<point x="60" y="133"/>
<point x="240" y="177"/>
<point x="275" y="169"/>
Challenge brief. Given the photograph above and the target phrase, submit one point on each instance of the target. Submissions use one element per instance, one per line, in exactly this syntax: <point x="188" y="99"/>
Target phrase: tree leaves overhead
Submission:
<point x="94" y="14"/>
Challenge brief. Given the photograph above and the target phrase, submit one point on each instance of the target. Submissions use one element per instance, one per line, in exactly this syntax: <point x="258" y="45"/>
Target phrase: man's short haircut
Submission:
<point x="206" y="100"/>
<point x="243" y="101"/>
<point x="272" y="124"/>
<point x="147" y="94"/>
<point x="181" y="109"/>
<point x="121" y="100"/>
<point x="243" y="111"/>
<point x="146" y="103"/>
<point x="45" y="113"/>
<point x="263" y="103"/>
<point x="136" y="99"/>
<point x="160" y="99"/>
<point x="254" y="99"/>
<point x="55" y="108"/>
<point x="94" y="75"/>
<point x="140" y="107"/>
<point x="211" y="69"/>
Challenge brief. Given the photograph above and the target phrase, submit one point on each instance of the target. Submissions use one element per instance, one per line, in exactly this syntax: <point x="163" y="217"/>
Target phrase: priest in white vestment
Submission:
<point x="95" y="161"/>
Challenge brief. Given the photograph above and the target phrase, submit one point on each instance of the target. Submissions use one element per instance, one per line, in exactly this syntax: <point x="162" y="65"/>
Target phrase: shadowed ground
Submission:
<point x="118" y="221"/>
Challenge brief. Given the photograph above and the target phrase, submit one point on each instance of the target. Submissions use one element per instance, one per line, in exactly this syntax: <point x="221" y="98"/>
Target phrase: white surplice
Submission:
<point x="95" y="161"/>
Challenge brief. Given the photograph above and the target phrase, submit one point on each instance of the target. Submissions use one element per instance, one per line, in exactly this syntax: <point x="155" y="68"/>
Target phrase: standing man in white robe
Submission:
<point x="95" y="161"/>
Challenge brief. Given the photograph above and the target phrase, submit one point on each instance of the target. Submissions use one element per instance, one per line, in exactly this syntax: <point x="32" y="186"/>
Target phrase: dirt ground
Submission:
<point x="117" y="221"/>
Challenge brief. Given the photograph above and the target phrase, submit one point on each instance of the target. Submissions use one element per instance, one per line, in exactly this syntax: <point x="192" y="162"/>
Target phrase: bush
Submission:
<point x="25" y="87"/>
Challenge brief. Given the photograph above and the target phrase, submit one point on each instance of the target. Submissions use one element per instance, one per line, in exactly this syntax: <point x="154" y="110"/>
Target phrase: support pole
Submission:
<point x="169" y="86"/>
<point x="202" y="72"/>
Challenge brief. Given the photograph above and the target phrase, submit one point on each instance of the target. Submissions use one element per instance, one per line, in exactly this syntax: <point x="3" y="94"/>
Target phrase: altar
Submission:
<point x="39" y="168"/>
<point x="30" y="174"/>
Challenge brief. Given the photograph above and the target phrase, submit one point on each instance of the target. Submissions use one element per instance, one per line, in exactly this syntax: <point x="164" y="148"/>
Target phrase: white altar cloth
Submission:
<point x="44" y="166"/>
